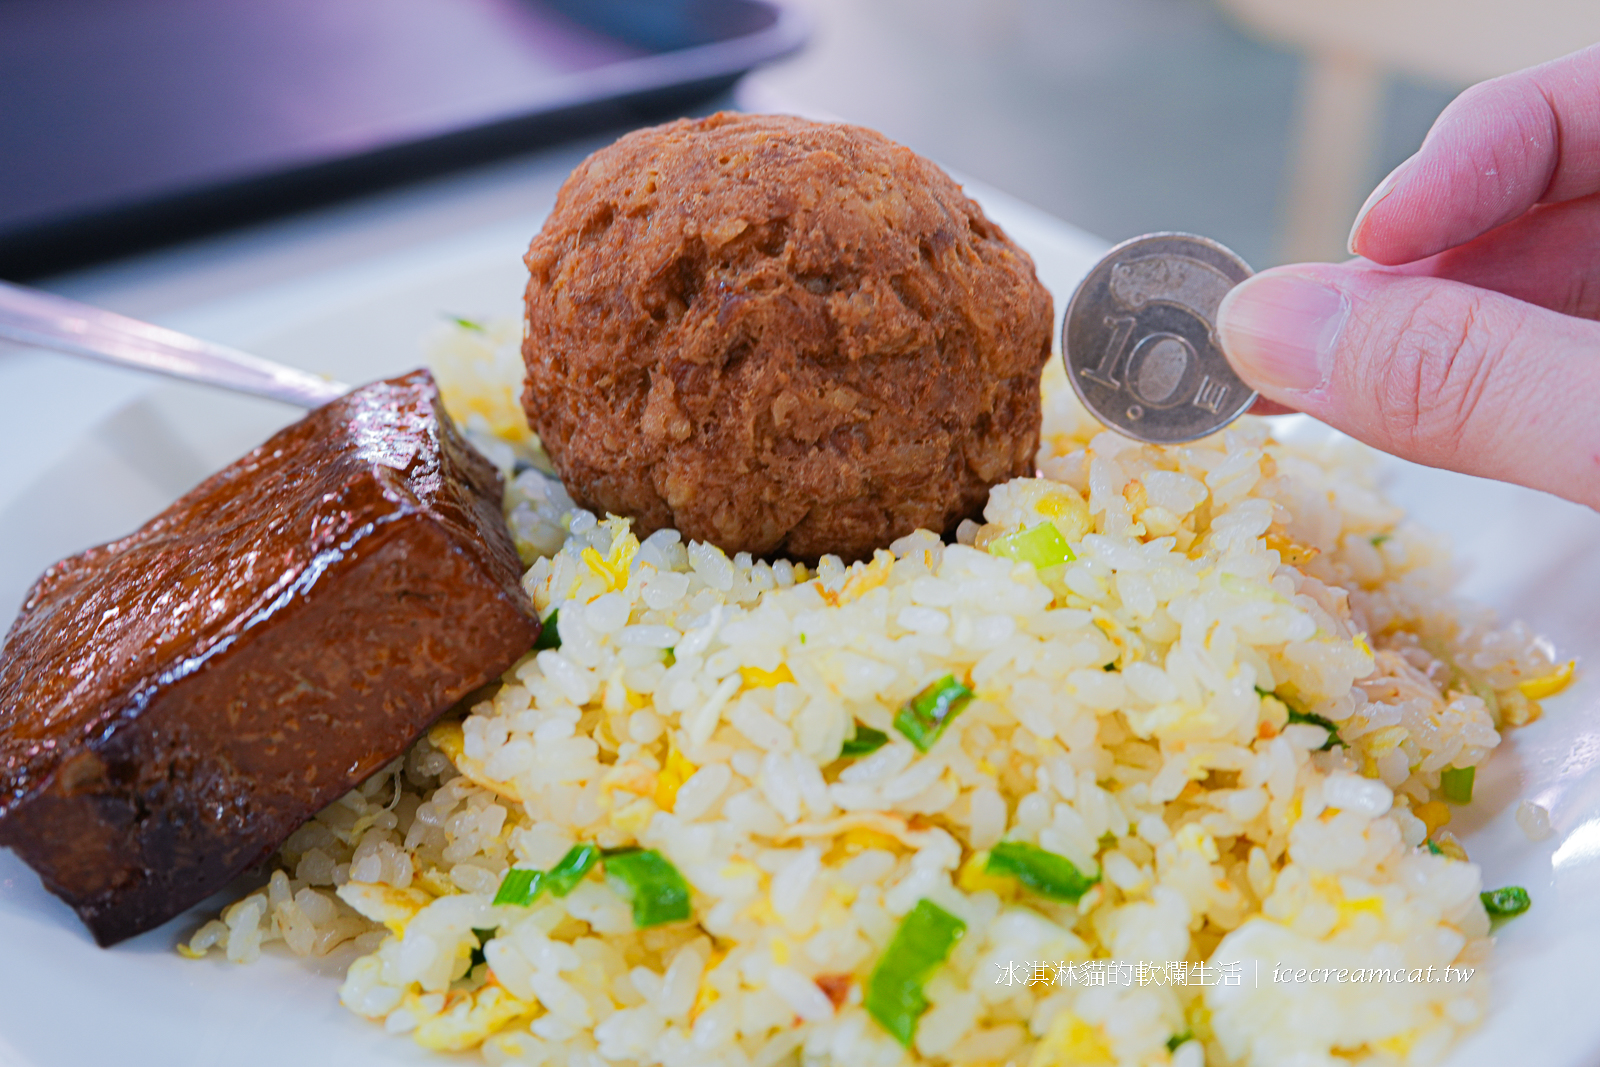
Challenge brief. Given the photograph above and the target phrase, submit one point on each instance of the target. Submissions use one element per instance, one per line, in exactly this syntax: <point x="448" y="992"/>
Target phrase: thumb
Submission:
<point x="1431" y="370"/>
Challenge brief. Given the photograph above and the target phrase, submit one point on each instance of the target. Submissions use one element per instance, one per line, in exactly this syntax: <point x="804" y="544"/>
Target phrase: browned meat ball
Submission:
<point x="780" y="336"/>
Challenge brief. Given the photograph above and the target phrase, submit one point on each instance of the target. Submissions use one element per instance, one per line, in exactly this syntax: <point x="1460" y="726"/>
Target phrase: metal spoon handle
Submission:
<point x="31" y="317"/>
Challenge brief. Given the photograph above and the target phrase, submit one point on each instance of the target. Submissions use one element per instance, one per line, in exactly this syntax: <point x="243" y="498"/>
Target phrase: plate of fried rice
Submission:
<point x="1264" y="749"/>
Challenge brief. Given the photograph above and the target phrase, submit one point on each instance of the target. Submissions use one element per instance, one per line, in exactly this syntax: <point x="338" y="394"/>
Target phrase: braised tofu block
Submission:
<point x="174" y="704"/>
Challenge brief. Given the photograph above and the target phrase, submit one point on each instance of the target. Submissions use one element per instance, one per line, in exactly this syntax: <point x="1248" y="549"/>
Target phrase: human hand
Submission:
<point x="1465" y="336"/>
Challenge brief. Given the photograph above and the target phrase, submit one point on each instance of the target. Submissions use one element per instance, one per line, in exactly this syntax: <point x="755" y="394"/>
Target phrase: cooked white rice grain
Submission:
<point x="697" y="705"/>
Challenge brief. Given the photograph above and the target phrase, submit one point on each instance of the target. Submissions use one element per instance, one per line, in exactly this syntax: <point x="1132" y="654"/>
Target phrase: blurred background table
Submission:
<point x="1119" y="116"/>
<point x="1262" y="123"/>
<point x="1353" y="49"/>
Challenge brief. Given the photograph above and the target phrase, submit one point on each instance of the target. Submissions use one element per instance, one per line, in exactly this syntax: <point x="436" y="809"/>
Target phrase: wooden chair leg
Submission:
<point x="1334" y="155"/>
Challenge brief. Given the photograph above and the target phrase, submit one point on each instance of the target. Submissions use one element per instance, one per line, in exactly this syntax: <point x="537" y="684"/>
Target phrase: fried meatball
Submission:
<point x="780" y="336"/>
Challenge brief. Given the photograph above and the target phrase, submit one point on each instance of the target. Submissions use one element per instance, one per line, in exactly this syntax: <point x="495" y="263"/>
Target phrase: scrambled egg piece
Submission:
<point x="447" y="737"/>
<point x="466" y="1022"/>
<point x="1071" y="1042"/>
<point x="863" y="579"/>
<point x="674" y="773"/>
<point x="1550" y="684"/>
<point x="756" y="678"/>
<point x="384" y="904"/>
<point x="972" y="877"/>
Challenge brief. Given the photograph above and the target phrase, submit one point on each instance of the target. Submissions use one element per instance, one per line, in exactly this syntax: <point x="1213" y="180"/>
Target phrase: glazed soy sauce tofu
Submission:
<point x="174" y="704"/>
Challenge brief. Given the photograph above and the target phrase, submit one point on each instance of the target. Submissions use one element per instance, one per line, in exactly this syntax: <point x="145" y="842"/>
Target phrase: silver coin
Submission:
<point x="1140" y="339"/>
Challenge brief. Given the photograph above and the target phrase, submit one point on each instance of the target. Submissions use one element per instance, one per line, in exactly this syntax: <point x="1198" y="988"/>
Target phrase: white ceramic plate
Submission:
<point x="66" y="1003"/>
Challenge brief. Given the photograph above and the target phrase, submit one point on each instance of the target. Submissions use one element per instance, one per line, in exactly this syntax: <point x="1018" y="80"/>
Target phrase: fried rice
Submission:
<point x="1228" y="705"/>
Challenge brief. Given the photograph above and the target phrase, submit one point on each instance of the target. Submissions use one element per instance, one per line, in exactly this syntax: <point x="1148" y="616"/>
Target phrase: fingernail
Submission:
<point x="1279" y="330"/>
<point x="1384" y="188"/>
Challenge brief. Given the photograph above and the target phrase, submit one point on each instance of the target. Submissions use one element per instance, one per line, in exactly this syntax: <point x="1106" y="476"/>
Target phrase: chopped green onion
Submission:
<point x="1308" y="719"/>
<point x="521" y="886"/>
<point x="865" y="742"/>
<point x="894" y="992"/>
<point x="465" y="324"/>
<point x="1112" y="666"/>
<point x="1456" y="784"/>
<point x="1435" y="849"/>
<point x="1179" y="1039"/>
<point x="1305" y="718"/>
<point x="923" y="718"/>
<point x="1041" y="545"/>
<point x="549" y="636"/>
<point x="564" y="877"/>
<point x="1483" y="691"/>
<point x="645" y="877"/>
<point x="1046" y="873"/>
<point x="1507" y="902"/>
<point x="1378" y="539"/>
<point x="483" y="937"/>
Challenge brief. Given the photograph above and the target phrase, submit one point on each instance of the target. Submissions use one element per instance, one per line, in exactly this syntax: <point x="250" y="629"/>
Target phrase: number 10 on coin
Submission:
<point x="1140" y="339"/>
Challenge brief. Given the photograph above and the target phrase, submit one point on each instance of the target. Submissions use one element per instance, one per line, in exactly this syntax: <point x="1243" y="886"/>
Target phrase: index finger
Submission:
<point x="1499" y="148"/>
